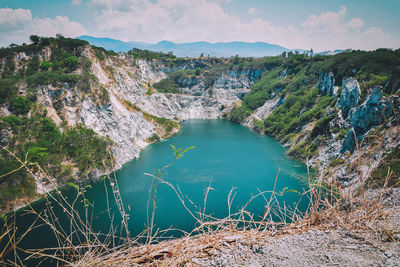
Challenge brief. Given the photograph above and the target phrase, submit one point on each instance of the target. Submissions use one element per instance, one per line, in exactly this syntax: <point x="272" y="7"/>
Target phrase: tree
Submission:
<point x="34" y="39"/>
<point x="7" y="90"/>
<point x="20" y="105"/>
<point x="71" y="63"/>
<point x="45" y="65"/>
<point x="33" y="65"/>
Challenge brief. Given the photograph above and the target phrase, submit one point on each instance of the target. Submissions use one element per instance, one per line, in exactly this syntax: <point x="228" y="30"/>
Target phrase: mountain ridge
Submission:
<point x="194" y="49"/>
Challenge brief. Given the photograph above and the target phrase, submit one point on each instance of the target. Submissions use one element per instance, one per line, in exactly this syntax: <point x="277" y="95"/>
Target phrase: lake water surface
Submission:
<point x="226" y="156"/>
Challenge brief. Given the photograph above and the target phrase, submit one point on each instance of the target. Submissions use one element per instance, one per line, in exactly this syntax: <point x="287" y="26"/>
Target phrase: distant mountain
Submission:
<point x="113" y="44"/>
<point x="222" y="49"/>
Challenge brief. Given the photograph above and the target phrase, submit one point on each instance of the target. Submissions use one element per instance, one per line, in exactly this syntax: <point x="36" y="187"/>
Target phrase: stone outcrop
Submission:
<point x="262" y="112"/>
<point x="372" y="112"/>
<point x="349" y="96"/>
<point x="230" y="85"/>
<point x="326" y="83"/>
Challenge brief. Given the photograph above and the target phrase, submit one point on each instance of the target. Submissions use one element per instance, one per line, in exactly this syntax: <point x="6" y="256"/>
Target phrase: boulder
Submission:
<point x="335" y="92"/>
<point x="369" y="114"/>
<point x="349" y="143"/>
<point x="350" y="96"/>
<point x="372" y="112"/>
<point x="326" y="83"/>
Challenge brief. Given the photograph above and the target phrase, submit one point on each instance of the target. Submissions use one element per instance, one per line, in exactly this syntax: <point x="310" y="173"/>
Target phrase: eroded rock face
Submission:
<point x="349" y="97"/>
<point x="262" y="112"/>
<point x="326" y="83"/>
<point x="371" y="113"/>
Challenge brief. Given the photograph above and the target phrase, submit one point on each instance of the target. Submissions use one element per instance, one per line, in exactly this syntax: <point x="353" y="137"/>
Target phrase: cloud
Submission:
<point x="19" y="24"/>
<point x="333" y="30"/>
<point x="253" y="11"/>
<point x="14" y="19"/>
<point x="177" y="20"/>
<point x="332" y="22"/>
<point x="198" y="20"/>
<point x="201" y="20"/>
<point x="76" y="2"/>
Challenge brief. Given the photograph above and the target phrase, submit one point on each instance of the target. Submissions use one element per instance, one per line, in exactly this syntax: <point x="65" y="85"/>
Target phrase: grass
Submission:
<point x="336" y="162"/>
<point x="388" y="171"/>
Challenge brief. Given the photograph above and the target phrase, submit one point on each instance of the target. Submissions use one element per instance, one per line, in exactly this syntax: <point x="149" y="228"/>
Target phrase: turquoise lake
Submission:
<point x="226" y="156"/>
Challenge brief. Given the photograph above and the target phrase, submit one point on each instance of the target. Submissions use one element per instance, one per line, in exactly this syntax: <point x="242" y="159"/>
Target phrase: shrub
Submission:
<point x="153" y="138"/>
<point x="321" y="127"/>
<point x="167" y="86"/>
<point x="240" y="114"/>
<point x="150" y="55"/>
<point x="43" y="78"/>
<point x="33" y="65"/>
<point x="71" y="63"/>
<point x="45" y="65"/>
<point x="20" y="105"/>
<point x="391" y="162"/>
<point x="304" y="150"/>
<point x="7" y="90"/>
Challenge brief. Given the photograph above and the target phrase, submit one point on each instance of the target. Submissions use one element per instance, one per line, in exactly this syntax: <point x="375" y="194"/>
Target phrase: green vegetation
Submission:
<point x="388" y="171"/>
<point x="342" y="134"/>
<point x="153" y="138"/>
<point x="39" y="142"/>
<point x="101" y="53"/>
<point x="240" y="114"/>
<point x="167" y="86"/>
<point x="297" y="110"/>
<point x="43" y="78"/>
<point x="258" y="126"/>
<point x="150" y="55"/>
<point x="8" y="90"/>
<point x="321" y="127"/>
<point x="263" y="89"/>
<point x="67" y="44"/>
<point x="304" y="149"/>
<point x="20" y="105"/>
<point x="65" y="58"/>
<point x="336" y="162"/>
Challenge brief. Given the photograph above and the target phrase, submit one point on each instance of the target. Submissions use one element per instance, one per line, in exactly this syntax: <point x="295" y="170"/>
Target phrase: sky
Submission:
<point x="294" y="24"/>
